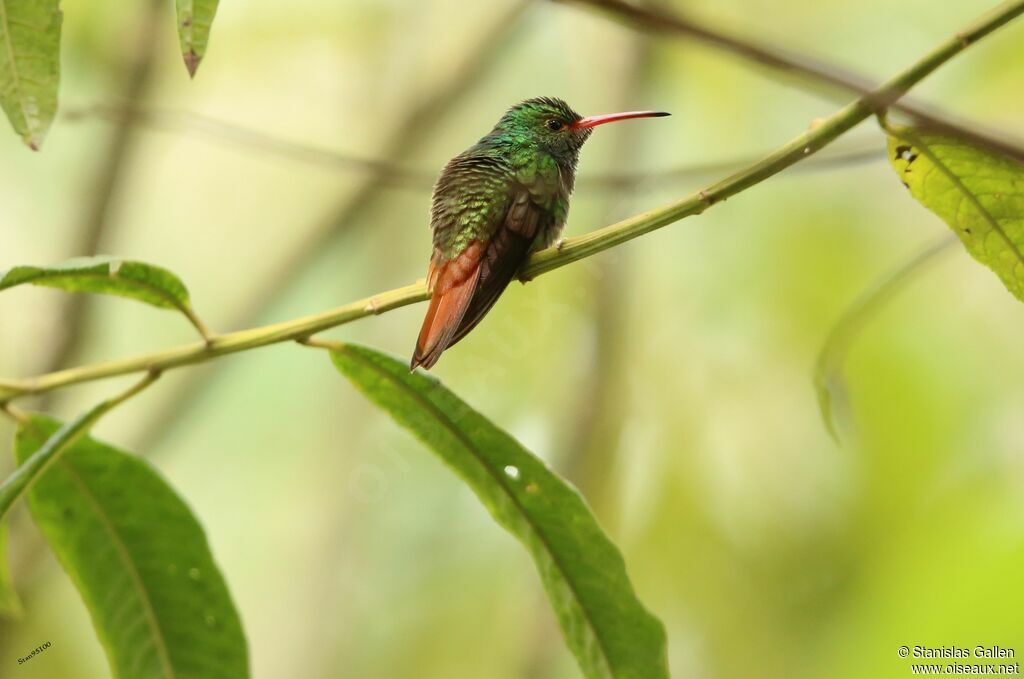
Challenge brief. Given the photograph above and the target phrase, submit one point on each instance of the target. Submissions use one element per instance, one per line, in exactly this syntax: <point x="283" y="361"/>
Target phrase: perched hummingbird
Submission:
<point x="495" y="203"/>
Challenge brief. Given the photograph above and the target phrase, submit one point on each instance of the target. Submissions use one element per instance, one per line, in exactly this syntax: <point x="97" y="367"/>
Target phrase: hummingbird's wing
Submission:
<point x="503" y="256"/>
<point x="467" y="286"/>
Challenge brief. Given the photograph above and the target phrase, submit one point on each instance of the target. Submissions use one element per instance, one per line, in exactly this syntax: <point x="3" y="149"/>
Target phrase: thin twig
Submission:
<point x="33" y="468"/>
<point x="660" y="20"/>
<point x="232" y="134"/>
<point x="542" y="262"/>
<point x="14" y="412"/>
<point x="318" y="343"/>
<point x="394" y="175"/>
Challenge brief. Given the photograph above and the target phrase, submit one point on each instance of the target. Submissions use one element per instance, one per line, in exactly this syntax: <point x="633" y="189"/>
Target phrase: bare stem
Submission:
<point x="661" y="20"/>
<point x="13" y="412"/>
<point x="32" y="468"/>
<point x="545" y="261"/>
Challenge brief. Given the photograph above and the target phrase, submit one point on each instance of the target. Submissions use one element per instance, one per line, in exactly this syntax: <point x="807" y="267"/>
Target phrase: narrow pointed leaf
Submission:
<point x="195" y="17"/>
<point x="30" y="65"/>
<point x="139" y="559"/>
<point x="605" y="625"/>
<point x="10" y="604"/>
<point x="142" y="282"/>
<point x="980" y="196"/>
<point x="829" y="383"/>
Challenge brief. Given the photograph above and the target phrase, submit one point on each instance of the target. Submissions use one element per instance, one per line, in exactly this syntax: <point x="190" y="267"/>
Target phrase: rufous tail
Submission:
<point x="454" y="283"/>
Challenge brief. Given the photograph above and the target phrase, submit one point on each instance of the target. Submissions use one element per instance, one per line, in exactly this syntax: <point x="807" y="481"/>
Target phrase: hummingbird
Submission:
<point x="493" y="205"/>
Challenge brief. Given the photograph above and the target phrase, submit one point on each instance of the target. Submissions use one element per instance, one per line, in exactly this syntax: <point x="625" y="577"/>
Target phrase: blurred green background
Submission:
<point x="670" y="378"/>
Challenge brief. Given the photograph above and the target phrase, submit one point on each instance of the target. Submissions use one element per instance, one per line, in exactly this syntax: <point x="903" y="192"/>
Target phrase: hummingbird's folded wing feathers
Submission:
<point x="505" y="253"/>
<point x="467" y="286"/>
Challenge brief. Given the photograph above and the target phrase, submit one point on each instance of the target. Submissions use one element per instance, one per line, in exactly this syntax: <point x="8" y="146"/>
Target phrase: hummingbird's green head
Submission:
<point x="550" y="125"/>
<point x="544" y="123"/>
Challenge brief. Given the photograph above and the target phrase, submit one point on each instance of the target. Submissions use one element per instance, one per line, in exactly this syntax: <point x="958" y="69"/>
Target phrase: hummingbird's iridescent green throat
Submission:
<point x="495" y="203"/>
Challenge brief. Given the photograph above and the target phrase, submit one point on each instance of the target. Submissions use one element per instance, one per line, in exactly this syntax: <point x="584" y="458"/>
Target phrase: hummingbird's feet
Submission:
<point x="557" y="245"/>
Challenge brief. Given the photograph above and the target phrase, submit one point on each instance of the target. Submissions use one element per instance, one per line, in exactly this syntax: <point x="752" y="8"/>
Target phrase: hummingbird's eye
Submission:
<point x="554" y="124"/>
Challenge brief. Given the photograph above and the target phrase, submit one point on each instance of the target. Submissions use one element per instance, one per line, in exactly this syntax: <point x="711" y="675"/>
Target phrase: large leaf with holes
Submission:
<point x="139" y="559"/>
<point x="30" y="65"/>
<point x="980" y="196"/>
<point x="195" y="17"/>
<point x="140" y="281"/>
<point x="608" y="629"/>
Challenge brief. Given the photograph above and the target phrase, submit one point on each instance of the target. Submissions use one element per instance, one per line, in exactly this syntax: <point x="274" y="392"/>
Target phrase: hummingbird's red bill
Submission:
<point x="594" y="121"/>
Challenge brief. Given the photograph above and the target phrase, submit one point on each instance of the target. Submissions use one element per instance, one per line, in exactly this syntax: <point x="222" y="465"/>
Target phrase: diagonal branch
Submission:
<point x="547" y="260"/>
<point x="661" y="20"/>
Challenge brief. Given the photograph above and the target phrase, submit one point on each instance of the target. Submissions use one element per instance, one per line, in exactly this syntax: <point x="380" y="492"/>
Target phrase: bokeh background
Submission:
<point x="670" y="378"/>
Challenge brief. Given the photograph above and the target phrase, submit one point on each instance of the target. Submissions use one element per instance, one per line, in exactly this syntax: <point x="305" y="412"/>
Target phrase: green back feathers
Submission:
<point x="533" y="146"/>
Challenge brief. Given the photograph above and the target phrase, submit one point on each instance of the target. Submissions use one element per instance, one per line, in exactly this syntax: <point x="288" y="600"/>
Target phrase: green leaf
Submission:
<point x="30" y="65"/>
<point x="605" y="625"/>
<point x="104" y="275"/>
<point x="10" y="604"/>
<point x="195" y="17"/>
<point x="139" y="559"/>
<point x="980" y="195"/>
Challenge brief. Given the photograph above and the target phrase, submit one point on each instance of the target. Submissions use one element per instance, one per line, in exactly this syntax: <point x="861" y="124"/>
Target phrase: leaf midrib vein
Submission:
<point x="454" y="430"/>
<point x="122" y="551"/>
<point x="986" y="215"/>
